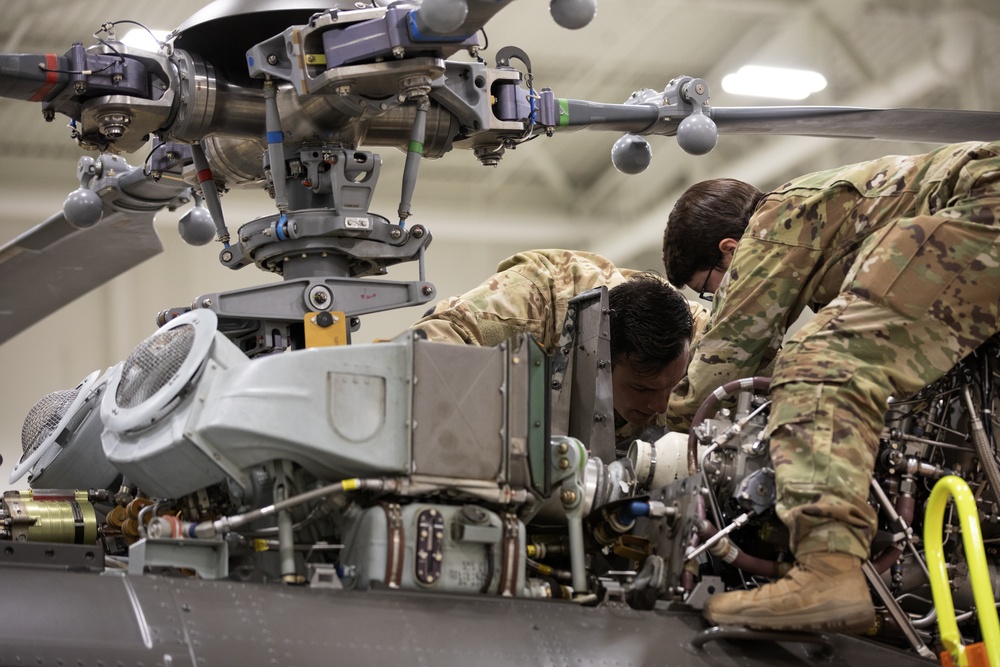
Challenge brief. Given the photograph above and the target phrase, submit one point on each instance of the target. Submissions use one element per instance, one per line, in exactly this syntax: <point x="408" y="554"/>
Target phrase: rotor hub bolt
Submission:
<point x="414" y="87"/>
<point x="320" y="297"/>
<point x="272" y="59"/>
<point x="395" y="233"/>
<point x="417" y="231"/>
<point x="113" y="125"/>
<point x="427" y="290"/>
<point x="227" y="256"/>
<point x="568" y="497"/>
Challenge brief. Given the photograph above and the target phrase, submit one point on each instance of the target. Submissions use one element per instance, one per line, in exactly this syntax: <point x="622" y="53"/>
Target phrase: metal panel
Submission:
<point x="154" y="620"/>
<point x="462" y="427"/>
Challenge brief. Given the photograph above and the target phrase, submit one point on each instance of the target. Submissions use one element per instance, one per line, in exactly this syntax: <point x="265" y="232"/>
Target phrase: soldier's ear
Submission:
<point x="727" y="247"/>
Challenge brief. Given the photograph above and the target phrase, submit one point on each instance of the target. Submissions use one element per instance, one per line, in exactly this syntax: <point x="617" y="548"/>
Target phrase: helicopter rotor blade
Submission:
<point x="931" y="125"/>
<point x="52" y="264"/>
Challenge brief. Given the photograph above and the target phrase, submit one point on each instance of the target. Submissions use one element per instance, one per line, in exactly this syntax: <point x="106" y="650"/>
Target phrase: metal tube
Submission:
<point x="576" y="555"/>
<point x="275" y="145"/>
<point x="414" y="151"/>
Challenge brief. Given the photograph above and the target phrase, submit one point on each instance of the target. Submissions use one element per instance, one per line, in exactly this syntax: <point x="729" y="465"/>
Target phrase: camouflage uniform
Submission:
<point x="529" y="293"/>
<point x="900" y="258"/>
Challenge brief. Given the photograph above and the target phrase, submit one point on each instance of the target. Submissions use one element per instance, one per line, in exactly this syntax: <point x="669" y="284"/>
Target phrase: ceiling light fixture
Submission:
<point x="777" y="82"/>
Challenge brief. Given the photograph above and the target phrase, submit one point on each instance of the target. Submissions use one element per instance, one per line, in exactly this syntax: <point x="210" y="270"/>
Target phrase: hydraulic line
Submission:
<point x="984" y="448"/>
<point x="228" y="523"/>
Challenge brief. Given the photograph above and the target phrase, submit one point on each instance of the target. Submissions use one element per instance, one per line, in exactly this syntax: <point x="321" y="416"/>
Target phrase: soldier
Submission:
<point x="651" y="323"/>
<point x="900" y="258"/>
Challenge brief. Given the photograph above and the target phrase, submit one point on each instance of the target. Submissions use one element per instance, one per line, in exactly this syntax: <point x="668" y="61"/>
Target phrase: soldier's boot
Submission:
<point x="824" y="591"/>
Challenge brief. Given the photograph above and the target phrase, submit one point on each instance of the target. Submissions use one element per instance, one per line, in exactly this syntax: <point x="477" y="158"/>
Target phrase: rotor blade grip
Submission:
<point x="30" y="77"/>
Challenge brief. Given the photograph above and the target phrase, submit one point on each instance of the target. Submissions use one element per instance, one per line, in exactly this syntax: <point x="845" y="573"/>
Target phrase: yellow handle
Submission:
<point x="975" y="552"/>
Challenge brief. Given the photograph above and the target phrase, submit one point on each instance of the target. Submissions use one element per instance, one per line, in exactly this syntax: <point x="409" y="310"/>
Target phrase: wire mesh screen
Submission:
<point x="43" y="417"/>
<point x="152" y="364"/>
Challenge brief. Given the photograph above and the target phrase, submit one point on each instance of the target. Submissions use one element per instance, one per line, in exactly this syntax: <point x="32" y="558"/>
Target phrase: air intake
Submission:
<point x="61" y="439"/>
<point x="159" y="371"/>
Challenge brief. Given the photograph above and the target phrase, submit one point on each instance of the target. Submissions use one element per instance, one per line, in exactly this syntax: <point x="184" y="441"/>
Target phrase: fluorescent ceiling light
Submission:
<point x="779" y="82"/>
<point x="139" y="38"/>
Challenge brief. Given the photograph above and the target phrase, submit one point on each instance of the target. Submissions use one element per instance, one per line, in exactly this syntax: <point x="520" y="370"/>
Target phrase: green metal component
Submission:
<point x="539" y="451"/>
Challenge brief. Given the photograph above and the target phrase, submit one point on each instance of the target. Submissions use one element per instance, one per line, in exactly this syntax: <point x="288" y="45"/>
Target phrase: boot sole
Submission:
<point x="855" y="618"/>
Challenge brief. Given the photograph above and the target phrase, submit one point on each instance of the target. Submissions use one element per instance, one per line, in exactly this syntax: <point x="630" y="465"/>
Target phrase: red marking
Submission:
<point x="51" y="78"/>
<point x="204" y="175"/>
<point x="48" y="494"/>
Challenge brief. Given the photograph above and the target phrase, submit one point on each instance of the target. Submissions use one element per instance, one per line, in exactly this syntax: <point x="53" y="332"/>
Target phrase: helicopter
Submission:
<point x="235" y="504"/>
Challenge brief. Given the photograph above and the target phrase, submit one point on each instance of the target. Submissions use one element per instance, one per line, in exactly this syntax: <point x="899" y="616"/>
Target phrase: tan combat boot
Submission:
<point x="824" y="591"/>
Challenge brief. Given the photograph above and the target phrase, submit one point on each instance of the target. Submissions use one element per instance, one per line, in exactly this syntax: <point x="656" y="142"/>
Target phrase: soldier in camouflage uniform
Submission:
<point x="900" y="258"/>
<point x="530" y="293"/>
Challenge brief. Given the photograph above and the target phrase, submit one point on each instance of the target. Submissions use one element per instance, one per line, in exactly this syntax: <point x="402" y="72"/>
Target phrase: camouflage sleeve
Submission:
<point x="748" y="323"/>
<point x="502" y="307"/>
<point x="530" y="293"/>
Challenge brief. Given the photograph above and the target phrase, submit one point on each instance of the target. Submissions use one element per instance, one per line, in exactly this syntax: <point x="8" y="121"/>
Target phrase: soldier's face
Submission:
<point x="637" y="397"/>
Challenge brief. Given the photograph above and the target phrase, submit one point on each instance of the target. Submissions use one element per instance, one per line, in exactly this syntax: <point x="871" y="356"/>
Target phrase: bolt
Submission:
<point x="700" y="89"/>
<point x="564" y="463"/>
<point x="562" y="448"/>
<point x="227" y="256"/>
<point x="398" y="51"/>
<point x="206" y="303"/>
<point x="427" y="290"/>
<point x="113" y="126"/>
<point x="417" y="232"/>
<point x="272" y="59"/>
<point x="395" y="233"/>
<point x="343" y="90"/>
<point x="568" y="497"/>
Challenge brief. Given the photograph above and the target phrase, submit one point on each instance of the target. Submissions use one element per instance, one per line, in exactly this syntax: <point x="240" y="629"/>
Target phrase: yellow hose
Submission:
<point x="975" y="552"/>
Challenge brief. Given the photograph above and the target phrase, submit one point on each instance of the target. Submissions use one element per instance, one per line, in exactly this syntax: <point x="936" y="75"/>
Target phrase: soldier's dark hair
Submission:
<point x="650" y="323"/>
<point x="702" y="217"/>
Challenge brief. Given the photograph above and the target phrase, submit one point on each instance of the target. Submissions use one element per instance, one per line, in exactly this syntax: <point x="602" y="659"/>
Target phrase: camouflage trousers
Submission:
<point x="922" y="295"/>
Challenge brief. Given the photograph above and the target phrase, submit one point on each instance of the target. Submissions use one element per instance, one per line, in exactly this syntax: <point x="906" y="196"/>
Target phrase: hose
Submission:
<point x="726" y="550"/>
